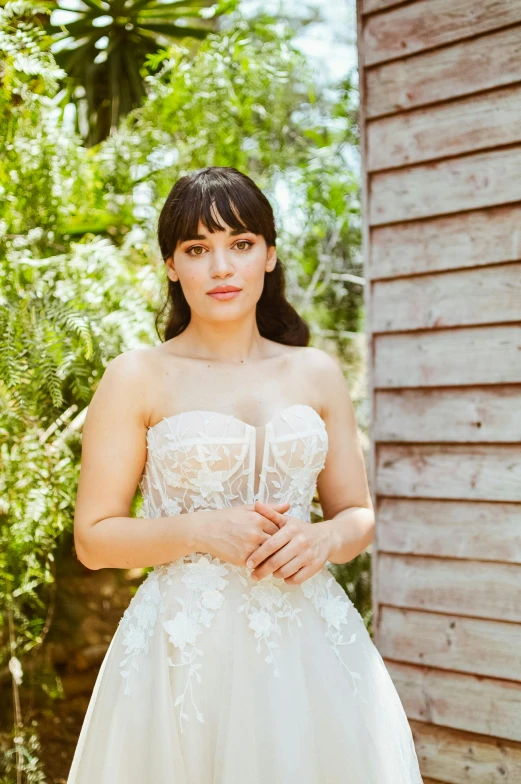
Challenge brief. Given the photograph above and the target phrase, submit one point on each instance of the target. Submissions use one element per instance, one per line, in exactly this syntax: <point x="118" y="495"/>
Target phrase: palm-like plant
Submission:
<point x="102" y="45"/>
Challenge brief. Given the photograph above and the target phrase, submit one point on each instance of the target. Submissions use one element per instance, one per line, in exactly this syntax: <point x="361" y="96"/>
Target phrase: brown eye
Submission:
<point x="248" y="244"/>
<point x="194" y="247"/>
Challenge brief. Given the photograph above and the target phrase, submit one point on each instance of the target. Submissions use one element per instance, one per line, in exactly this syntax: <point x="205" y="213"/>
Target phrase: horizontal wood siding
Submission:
<point x="457" y="757"/>
<point x="441" y="164"/>
<point x="446" y="129"/>
<point x="460" y="241"/>
<point x="477" y="355"/>
<point x="463" y="68"/>
<point x="455" y="415"/>
<point x="466" y="183"/>
<point x="475" y="472"/>
<point x="379" y="5"/>
<point x="428" y="24"/>
<point x="488" y="706"/>
<point x="478" y="589"/>
<point x="461" y="298"/>
<point x="452" y="642"/>
<point x="476" y="530"/>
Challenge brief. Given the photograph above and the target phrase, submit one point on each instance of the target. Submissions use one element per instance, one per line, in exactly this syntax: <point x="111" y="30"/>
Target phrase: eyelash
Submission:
<point x="250" y="243"/>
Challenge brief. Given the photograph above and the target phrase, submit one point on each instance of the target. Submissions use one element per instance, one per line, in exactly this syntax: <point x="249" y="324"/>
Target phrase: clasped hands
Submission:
<point x="295" y="552"/>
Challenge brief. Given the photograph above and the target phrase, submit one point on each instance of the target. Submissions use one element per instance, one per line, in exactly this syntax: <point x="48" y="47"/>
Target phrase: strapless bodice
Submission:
<point x="209" y="460"/>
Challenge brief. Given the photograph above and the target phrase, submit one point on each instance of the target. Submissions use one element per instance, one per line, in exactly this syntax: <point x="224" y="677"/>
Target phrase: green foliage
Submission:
<point x="27" y="68"/>
<point x="23" y="756"/>
<point x="105" y="44"/>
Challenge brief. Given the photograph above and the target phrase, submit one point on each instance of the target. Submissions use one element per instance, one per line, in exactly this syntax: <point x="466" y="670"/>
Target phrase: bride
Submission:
<point x="240" y="659"/>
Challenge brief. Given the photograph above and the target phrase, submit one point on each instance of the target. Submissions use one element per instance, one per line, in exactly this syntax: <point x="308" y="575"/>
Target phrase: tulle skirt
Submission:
<point x="214" y="678"/>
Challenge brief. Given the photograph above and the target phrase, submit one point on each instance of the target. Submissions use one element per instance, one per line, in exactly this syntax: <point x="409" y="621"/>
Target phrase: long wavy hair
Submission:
<point x="243" y="206"/>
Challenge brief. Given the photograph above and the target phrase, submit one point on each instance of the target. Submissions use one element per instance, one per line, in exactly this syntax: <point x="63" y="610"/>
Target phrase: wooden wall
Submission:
<point x="440" y="88"/>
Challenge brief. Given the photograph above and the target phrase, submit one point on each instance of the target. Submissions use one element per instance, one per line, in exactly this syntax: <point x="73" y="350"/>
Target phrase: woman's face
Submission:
<point x="222" y="259"/>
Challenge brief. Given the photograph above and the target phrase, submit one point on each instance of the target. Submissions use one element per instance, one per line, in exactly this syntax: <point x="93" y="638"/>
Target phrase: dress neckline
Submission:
<point x="247" y="425"/>
<point x="251" y="433"/>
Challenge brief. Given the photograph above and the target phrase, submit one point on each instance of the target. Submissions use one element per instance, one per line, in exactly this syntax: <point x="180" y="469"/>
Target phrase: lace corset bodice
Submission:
<point x="209" y="460"/>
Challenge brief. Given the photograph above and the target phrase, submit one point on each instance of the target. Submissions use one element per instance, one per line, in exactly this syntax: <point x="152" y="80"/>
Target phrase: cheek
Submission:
<point x="192" y="277"/>
<point x="253" y="270"/>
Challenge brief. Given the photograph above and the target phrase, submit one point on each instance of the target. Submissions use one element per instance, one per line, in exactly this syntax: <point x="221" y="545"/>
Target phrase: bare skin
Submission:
<point x="219" y="363"/>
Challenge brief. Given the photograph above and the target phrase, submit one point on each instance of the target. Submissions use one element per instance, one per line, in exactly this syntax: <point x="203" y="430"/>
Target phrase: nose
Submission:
<point x="221" y="266"/>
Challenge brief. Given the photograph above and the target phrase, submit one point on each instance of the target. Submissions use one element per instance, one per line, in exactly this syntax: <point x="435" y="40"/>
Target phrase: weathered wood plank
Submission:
<point x="475" y="355"/>
<point x="474" y="181"/>
<point x="464" y="240"/>
<point x="369" y="6"/>
<point x="452" y="529"/>
<point x="465" y="414"/>
<point x="450" y="642"/>
<point x="427" y="24"/>
<point x="448" y="299"/>
<point x="466" y="702"/>
<point x="478" y="122"/>
<point x="474" y="472"/>
<point x="459" y="69"/>
<point x="480" y="530"/>
<point x="458" y="757"/>
<point x="477" y="589"/>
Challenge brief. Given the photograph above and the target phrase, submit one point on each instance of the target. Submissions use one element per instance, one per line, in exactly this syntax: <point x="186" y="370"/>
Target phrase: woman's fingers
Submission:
<point x="277" y="508"/>
<point x="272" y="514"/>
<point x="290" y="567"/>
<point x="267" y="548"/>
<point x="269" y="527"/>
<point x="278" y="561"/>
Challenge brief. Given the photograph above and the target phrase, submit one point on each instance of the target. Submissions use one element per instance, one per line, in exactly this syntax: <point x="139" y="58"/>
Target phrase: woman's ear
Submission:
<point x="170" y="269"/>
<point x="271" y="258"/>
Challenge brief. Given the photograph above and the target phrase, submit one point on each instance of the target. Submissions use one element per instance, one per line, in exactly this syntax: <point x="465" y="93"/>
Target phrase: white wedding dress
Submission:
<point x="213" y="678"/>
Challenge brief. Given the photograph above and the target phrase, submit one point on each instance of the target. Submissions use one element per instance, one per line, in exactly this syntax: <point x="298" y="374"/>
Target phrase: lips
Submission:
<point x="222" y="295"/>
<point x="224" y="292"/>
<point x="223" y="289"/>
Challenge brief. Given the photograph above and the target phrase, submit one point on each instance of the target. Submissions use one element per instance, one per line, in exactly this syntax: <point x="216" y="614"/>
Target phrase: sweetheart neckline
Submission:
<point x="236" y="419"/>
<point x="252" y="431"/>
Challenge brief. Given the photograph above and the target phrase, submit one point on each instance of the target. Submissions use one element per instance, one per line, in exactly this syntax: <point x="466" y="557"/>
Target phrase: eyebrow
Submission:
<point x="232" y="233"/>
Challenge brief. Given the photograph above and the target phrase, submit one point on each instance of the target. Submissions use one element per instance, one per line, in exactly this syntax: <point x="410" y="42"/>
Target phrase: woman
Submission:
<point x="240" y="660"/>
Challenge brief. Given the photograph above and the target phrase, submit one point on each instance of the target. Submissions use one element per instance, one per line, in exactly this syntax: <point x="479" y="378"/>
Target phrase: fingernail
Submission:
<point x="249" y="564"/>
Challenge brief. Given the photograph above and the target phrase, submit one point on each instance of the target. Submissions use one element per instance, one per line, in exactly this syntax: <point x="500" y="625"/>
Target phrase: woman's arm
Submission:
<point x="342" y="484"/>
<point x="350" y="532"/>
<point x="128" y="542"/>
<point x="113" y="456"/>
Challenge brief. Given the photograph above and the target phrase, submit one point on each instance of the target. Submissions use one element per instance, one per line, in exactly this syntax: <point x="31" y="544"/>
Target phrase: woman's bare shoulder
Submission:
<point x="316" y="361"/>
<point x="322" y="373"/>
<point x="132" y="366"/>
<point x="292" y="355"/>
<point x="132" y="376"/>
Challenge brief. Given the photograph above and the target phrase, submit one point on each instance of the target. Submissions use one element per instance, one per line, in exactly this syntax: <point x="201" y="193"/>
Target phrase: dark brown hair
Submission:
<point x="243" y="206"/>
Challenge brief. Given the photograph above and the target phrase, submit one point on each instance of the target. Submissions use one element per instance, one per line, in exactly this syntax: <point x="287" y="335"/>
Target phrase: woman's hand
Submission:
<point x="233" y="533"/>
<point x="295" y="552"/>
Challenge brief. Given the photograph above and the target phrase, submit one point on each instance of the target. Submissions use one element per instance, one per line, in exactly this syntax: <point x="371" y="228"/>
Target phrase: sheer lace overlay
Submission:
<point x="208" y="460"/>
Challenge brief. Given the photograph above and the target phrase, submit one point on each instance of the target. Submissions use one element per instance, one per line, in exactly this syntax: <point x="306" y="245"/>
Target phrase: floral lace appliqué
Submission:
<point x="204" y="580"/>
<point x="138" y="623"/>
<point x="201" y="459"/>
<point x="266" y="605"/>
<point x="334" y="610"/>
